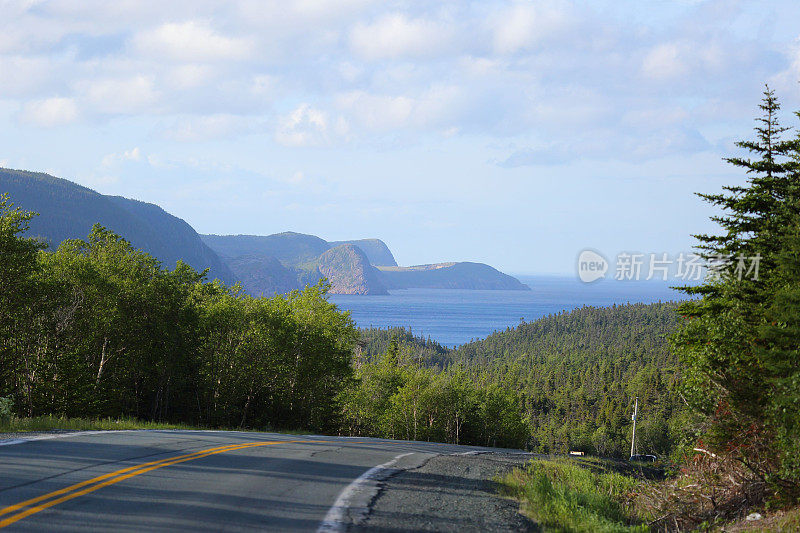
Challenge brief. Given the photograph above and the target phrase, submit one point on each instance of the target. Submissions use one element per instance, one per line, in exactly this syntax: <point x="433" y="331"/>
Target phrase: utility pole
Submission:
<point x="635" y="412"/>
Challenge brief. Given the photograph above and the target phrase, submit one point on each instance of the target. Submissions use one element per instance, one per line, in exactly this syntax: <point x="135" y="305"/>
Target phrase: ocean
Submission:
<point x="453" y="317"/>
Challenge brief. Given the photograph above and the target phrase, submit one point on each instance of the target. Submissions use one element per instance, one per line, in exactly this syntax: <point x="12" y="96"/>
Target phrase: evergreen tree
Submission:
<point x="729" y="377"/>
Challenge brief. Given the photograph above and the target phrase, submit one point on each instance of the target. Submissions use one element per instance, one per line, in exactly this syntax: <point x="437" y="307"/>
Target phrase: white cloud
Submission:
<point x="524" y="25"/>
<point x="50" y="112"/>
<point x="189" y="76"/>
<point x="437" y="106"/>
<point x="678" y="59"/>
<point x="307" y="126"/>
<point x="208" y="127"/>
<point x="126" y="95"/>
<point x="787" y="80"/>
<point x="665" y="61"/>
<point x="23" y="75"/>
<point x="192" y="41"/>
<point x="395" y="35"/>
<point x="134" y="154"/>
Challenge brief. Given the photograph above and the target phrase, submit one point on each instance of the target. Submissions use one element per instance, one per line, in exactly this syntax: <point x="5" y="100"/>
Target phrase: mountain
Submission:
<point x="363" y="266"/>
<point x="284" y="261"/>
<point x="289" y="248"/>
<point x="265" y="265"/>
<point x="262" y="275"/>
<point x="349" y="271"/>
<point x="68" y="211"/>
<point x="464" y="275"/>
<point x="377" y="251"/>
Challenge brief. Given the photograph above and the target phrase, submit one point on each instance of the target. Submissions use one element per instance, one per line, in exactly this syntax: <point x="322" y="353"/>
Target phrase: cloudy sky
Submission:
<point x="514" y="133"/>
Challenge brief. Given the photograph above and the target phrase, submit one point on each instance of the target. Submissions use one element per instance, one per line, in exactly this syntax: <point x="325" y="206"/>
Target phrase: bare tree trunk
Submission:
<point x="246" y="407"/>
<point x="103" y="359"/>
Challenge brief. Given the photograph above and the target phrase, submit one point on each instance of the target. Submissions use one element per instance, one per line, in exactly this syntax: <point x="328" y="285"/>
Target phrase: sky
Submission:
<point x="507" y="132"/>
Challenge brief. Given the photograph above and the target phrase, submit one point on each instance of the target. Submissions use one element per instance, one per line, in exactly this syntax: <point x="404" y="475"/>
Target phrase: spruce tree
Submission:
<point x="728" y="375"/>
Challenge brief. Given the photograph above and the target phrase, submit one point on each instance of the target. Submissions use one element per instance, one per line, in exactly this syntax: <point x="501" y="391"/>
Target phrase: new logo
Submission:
<point x="591" y="266"/>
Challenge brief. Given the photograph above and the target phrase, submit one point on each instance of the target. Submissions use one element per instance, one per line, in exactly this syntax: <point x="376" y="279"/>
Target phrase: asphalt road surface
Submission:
<point x="242" y="481"/>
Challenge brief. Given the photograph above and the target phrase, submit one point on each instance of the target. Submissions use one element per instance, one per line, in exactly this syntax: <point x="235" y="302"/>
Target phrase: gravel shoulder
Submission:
<point x="449" y="493"/>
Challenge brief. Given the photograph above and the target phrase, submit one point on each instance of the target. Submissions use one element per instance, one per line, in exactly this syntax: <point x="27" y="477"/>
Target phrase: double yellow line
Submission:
<point x="24" y="509"/>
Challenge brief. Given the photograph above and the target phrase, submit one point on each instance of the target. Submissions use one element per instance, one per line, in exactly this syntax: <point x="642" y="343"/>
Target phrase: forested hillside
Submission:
<point x="580" y="371"/>
<point x="100" y="329"/>
<point x="574" y="374"/>
<point x="68" y="211"/>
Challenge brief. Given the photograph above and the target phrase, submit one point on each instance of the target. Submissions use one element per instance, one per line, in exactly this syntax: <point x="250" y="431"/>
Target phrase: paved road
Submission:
<point x="199" y="480"/>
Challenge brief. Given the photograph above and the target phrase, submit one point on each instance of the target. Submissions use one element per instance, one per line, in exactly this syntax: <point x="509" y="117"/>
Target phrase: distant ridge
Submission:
<point x="377" y="251"/>
<point x="464" y="275"/>
<point x="349" y="272"/>
<point x="362" y="266"/>
<point x="264" y="264"/>
<point x="68" y="211"/>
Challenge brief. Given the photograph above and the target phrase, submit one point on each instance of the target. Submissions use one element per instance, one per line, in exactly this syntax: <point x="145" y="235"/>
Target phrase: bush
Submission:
<point x="6" y="411"/>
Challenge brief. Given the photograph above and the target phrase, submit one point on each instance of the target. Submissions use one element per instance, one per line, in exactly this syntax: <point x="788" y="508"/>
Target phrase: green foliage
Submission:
<point x="50" y="423"/>
<point x="100" y="329"/>
<point x="392" y="399"/>
<point x="564" y="496"/>
<point x="6" y="411"/>
<point x="578" y="372"/>
<point x="376" y="341"/>
<point x="739" y="344"/>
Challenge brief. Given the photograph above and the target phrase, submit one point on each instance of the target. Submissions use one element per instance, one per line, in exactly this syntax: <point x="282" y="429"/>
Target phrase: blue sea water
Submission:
<point x="452" y="317"/>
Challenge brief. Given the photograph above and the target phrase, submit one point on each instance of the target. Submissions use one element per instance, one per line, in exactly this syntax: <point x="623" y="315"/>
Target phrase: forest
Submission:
<point x="100" y="329"/>
<point x="575" y="375"/>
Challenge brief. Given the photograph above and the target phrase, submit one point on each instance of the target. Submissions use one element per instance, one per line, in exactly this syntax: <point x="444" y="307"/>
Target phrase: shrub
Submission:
<point x="6" y="411"/>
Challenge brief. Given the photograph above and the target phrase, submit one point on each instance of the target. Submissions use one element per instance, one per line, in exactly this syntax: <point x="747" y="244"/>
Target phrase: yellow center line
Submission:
<point x="117" y="476"/>
<point x="26" y="503"/>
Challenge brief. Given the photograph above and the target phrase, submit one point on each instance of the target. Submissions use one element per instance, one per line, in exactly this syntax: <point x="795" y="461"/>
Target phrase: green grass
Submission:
<point x="48" y="423"/>
<point x="562" y="495"/>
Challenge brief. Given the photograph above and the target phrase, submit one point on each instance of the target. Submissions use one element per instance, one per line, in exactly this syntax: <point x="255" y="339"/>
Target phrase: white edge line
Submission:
<point x="10" y="442"/>
<point x="335" y="519"/>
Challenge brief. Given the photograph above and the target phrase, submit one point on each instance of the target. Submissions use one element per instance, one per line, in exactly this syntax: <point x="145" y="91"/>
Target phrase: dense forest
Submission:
<point x="580" y="371"/>
<point x="575" y="375"/>
<point x="98" y="328"/>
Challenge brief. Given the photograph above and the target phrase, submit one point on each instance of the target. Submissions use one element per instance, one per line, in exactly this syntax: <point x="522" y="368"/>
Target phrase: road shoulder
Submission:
<point x="448" y="493"/>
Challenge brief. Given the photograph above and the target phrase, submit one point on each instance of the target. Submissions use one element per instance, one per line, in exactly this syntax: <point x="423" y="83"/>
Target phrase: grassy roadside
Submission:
<point x="597" y="495"/>
<point x="566" y="495"/>
<point x="50" y="423"/>
<point x="60" y="423"/>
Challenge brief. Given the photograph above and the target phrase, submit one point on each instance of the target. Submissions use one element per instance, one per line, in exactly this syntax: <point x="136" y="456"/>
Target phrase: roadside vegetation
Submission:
<point x="56" y="423"/>
<point x="393" y="395"/>
<point x="576" y="496"/>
